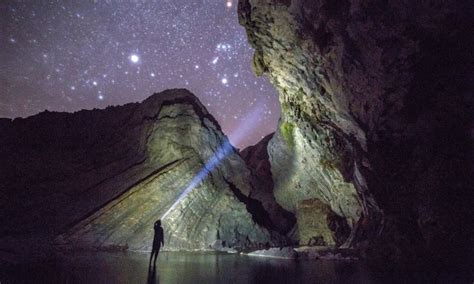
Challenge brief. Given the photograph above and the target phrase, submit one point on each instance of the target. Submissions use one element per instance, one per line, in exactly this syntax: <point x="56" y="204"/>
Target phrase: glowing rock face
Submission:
<point x="101" y="178"/>
<point x="199" y="205"/>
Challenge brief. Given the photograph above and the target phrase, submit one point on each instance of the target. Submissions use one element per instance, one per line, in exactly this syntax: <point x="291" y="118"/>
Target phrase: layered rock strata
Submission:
<point x="102" y="177"/>
<point x="377" y="116"/>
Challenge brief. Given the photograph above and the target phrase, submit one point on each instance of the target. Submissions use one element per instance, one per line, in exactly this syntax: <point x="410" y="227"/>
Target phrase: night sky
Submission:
<point x="72" y="55"/>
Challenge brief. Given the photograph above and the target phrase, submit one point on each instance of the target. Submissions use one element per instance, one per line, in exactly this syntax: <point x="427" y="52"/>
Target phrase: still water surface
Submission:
<point x="188" y="268"/>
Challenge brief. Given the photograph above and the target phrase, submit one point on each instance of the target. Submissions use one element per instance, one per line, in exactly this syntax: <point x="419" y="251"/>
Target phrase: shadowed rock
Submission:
<point x="256" y="158"/>
<point x="377" y="117"/>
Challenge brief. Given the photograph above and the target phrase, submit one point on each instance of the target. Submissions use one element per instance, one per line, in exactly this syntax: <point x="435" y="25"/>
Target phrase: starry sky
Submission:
<point x="72" y="55"/>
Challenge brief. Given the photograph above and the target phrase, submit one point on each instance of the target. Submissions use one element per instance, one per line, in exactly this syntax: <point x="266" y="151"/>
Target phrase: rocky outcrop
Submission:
<point x="102" y="177"/>
<point x="377" y="116"/>
<point x="256" y="159"/>
<point x="318" y="225"/>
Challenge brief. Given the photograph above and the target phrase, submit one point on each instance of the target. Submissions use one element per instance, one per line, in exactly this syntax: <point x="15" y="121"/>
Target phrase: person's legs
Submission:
<point x="157" y="251"/>
<point x="151" y="256"/>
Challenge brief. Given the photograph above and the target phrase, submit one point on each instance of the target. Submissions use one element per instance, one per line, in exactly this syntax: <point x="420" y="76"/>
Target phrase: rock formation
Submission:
<point x="256" y="158"/>
<point x="374" y="149"/>
<point x="377" y="117"/>
<point x="102" y="177"/>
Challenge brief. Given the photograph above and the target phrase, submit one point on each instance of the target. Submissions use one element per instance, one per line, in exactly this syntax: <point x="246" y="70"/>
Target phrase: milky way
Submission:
<point x="85" y="54"/>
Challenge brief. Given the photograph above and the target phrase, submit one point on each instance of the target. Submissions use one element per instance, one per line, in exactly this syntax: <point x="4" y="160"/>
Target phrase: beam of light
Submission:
<point x="221" y="153"/>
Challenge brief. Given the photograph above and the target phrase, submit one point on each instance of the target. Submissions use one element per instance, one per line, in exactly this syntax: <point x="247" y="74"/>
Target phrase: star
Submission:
<point x="134" y="58"/>
<point x="78" y="48"/>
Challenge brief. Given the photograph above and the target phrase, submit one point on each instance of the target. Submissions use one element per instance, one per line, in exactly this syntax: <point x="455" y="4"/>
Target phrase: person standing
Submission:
<point x="158" y="241"/>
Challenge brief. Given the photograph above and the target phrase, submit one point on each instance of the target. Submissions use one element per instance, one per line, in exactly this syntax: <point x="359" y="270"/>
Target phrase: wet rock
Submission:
<point x="285" y="252"/>
<point x="326" y="253"/>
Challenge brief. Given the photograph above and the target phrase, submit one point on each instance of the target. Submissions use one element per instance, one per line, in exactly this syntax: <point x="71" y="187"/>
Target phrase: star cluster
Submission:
<point x="71" y="55"/>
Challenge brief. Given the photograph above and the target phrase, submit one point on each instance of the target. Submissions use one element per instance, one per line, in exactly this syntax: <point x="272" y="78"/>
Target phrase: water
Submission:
<point x="189" y="268"/>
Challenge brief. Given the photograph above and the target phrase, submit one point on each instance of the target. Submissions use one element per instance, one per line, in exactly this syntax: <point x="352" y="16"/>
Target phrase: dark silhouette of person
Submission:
<point x="158" y="241"/>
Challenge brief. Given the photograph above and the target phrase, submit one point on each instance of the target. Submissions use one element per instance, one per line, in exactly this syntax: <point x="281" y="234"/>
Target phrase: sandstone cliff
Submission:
<point x="102" y="177"/>
<point x="377" y="117"/>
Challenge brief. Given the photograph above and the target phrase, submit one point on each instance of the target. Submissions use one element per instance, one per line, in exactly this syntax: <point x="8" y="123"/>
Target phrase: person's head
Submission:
<point x="158" y="222"/>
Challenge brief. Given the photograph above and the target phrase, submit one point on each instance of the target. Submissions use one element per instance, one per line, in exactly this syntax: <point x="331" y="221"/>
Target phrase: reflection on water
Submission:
<point x="187" y="268"/>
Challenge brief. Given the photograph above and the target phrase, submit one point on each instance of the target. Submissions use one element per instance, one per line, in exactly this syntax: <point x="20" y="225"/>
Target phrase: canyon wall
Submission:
<point x="377" y="118"/>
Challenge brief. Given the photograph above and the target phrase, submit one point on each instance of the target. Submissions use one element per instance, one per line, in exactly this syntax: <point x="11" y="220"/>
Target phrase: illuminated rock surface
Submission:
<point x="319" y="225"/>
<point x="256" y="158"/>
<point x="377" y="117"/>
<point x="105" y="176"/>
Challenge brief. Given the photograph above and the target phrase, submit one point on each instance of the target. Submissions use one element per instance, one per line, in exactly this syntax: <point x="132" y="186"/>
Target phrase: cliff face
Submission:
<point x="256" y="159"/>
<point x="377" y="116"/>
<point x="102" y="177"/>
